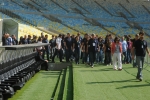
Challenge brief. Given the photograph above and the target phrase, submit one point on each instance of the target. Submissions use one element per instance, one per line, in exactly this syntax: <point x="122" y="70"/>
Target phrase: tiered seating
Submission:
<point x="17" y="66"/>
<point x="2" y="16"/>
<point x="89" y="8"/>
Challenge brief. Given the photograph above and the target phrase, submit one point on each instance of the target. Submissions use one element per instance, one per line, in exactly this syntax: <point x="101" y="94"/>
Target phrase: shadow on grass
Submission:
<point x="70" y="85"/>
<point x="131" y="80"/>
<point x="53" y="94"/>
<point x="105" y="69"/>
<point x="129" y="72"/>
<point x="146" y="69"/>
<point x="60" y="95"/>
<point x="133" y="86"/>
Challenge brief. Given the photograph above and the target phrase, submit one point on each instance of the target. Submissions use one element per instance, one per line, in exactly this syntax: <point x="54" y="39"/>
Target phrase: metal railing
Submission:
<point x="147" y="61"/>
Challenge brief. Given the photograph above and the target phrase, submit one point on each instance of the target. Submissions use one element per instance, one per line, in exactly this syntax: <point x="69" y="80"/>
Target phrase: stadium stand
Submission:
<point x="119" y="13"/>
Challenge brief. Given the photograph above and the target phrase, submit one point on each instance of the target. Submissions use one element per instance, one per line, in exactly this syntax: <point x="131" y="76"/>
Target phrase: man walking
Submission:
<point x="133" y="41"/>
<point x="58" y="49"/>
<point x="141" y="47"/>
<point x="47" y="48"/>
<point x="68" y="46"/>
<point x="93" y="45"/>
<point x="124" y="50"/>
<point x="52" y="46"/>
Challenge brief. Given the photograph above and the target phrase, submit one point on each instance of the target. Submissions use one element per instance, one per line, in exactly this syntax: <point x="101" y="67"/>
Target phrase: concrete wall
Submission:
<point x="58" y="66"/>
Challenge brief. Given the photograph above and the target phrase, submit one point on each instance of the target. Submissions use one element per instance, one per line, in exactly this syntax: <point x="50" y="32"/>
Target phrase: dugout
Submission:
<point x="8" y="25"/>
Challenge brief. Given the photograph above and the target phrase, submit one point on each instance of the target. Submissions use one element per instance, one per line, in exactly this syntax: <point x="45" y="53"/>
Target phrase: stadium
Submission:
<point x="70" y="49"/>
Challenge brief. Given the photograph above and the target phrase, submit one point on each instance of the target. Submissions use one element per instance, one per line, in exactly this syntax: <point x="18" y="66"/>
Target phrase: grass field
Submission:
<point x="85" y="83"/>
<point x="104" y="83"/>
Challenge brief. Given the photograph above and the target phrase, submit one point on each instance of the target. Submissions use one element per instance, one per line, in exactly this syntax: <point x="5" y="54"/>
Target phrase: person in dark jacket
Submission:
<point x="76" y="47"/>
<point x="14" y="40"/>
<point x="93" y="45"/>
<point x="24" y="40"/>
<point x="107" y="51"/>
<point x="4" y="39"/>
<point x="133" y="42"/>
<point x="40" y="59"/>
<point x="68" y="46"/>
<point x="29" y="40"/>
<point x="141" y="48"/>
<point x="47" y="48"/>
<point x="52" y="45"/>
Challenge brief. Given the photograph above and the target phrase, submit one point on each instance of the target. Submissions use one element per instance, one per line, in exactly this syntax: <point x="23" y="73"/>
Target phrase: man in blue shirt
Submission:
<point x="8" y="40"/>
<point x="124" y="50"/>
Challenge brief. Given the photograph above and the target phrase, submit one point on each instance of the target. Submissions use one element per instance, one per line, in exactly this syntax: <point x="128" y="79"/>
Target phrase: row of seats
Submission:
<point x="12" y="78"/>
<point x="14" y="73"/>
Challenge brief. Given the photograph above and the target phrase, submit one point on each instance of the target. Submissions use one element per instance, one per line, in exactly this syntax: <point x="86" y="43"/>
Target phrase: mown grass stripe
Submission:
<point x="59" y="91"/>
<point x="66" y="85"/>
<point x="68" y="90"/>
<point x="70" y="84"/>
<point x="54" y="91"/>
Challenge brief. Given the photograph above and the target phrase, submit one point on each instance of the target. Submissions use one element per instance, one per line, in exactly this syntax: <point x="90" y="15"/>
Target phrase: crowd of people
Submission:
<point x="90" y="49"/>
<point x="11" y="40"/>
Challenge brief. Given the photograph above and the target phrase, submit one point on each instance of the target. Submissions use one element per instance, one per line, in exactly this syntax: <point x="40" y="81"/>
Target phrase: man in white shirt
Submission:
<point x="58" y="49"/>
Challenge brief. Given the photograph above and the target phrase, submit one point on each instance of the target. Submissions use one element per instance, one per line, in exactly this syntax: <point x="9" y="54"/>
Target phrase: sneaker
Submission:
<point x="92" y="66"/>
<point x="135" y="67"/>
<point x="115" y="69"/>
<point x="120" y="69"/>
<point x="140" y="79"/>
